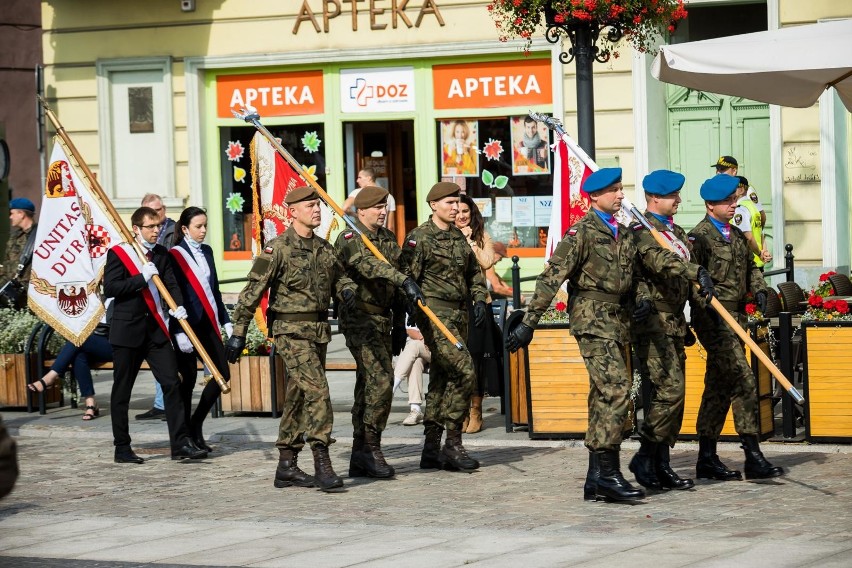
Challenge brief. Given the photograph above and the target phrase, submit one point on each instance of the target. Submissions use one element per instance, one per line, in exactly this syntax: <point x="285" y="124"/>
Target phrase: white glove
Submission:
<point x="184" y="344"/>
<point x="178" y="313"/>
<point x="229" y="329"/>
<point x="149" y="269"/>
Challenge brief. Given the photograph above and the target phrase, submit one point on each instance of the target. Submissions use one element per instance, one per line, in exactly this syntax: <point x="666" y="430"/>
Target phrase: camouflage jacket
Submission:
<point x="443" y="264"/>
<point x="377" y="281"/>
<point x="301" y="275"/>
<point x="14" y="247"/>
<point x="731" y="264"/>
<point x="668" y="292"/>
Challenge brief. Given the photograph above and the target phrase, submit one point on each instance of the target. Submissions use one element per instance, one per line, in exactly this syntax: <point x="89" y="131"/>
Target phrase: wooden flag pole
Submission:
<point x="128" y="236"/>
<point x="253" y="118"/>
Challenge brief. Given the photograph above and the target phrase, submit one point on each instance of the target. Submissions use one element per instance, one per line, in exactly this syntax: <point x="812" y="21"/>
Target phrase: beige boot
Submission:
<point x="475" y="424"/>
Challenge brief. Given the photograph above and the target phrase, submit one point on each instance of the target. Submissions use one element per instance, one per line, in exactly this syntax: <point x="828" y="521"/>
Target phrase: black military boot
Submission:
<point x="611" y="484"/>
<point x="356" y="460"/>
<point x="374" y="463"/>
<point x="642" y="464"/>
<point x="431" y="456"/>
<point x="453" y="454"/>
<point x="591" y="486"/>
<point x="756" y="466"/>
<point x="324" y="476"/>
<point x="709" y="466"/>
<point x="665" y="474"/>
<point x="288" y="473"/>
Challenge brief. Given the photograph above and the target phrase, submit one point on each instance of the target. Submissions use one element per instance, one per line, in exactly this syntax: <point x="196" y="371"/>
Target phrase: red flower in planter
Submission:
<point x="828" y="305"/>
<point x="842" y="306"/>
<point x="560" y="306"/>
<point x="815" y="301"/>
<point x="750" y="309"/>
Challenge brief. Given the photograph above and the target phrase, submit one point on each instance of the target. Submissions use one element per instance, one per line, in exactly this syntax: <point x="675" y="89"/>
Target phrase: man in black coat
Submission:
<point x="139" y="332"/>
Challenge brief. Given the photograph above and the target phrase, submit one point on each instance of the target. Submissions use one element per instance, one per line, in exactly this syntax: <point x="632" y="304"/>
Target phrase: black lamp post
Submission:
<point x="583" y="37"/>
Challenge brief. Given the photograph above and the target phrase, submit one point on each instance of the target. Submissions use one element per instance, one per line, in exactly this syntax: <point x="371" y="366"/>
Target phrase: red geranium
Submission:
<point x="842" y="306"/>
<point x="560" y="306"/>
<point x="750" y="309"/>
<point x="815" y="301"/>
<point x="828" y="305"/>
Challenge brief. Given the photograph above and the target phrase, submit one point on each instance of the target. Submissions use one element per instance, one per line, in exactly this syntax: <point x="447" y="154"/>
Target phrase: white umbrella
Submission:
<point x="789" y="66"/>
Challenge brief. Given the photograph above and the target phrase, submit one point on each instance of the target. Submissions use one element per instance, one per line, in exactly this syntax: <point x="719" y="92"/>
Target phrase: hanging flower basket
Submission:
<point x="637" y="21"/>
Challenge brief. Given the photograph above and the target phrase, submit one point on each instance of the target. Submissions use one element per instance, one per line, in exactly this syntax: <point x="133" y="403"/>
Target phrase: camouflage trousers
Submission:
<point x="609" y="391"/>
<point x="452" y="379"/>
<point x="373" y="385"/>
<point x="662" y="361"/>
<point x="307" y="414"/>
<point x="728" y="383"/>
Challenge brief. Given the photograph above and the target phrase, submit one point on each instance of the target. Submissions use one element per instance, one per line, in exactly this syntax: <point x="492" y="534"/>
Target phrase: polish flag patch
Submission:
<point x="348" y="235"/>
<point x="412" y="243"/>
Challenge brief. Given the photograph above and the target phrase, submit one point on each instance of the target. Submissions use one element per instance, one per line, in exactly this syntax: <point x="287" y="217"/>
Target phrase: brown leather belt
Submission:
<point x="667" y="308"/>
<point x="371" y="308"/>
<point x="599" y="296"/>
<point x="731" y="306"/>
<point x="460" y="305"/>
<point x="302" y="316"/>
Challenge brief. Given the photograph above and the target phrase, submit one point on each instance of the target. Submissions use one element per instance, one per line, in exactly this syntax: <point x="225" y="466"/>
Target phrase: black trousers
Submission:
<point x="126" y="363"/>
<point x="187" y="367"/>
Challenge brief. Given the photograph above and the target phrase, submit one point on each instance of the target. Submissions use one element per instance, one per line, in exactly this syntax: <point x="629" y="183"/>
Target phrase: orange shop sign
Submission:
<point x="272" y="94"/>
<point x="497" y="84"/>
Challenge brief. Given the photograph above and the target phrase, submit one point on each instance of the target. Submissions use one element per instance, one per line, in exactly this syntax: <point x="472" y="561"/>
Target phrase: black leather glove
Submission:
<point x="519" y="337"/>
<point x="413" y="291"/>
<point x="642" y="311"/>
<point x="480" y="311"/>
<point x="705" y="283"/>
<point x="689" y="338"/>
<point x="398" y="338"/>
<point x="234" y="348"/>
<point x="760" y="299"/>
<point x="348" y="299"/>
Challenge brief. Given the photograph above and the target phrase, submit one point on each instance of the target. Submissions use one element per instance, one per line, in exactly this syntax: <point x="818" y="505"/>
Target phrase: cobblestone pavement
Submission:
<point x="74" y="508"/>
<point x="524" y="505"/>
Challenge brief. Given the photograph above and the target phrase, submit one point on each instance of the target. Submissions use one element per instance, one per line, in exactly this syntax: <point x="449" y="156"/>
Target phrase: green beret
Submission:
<point x="441" y="190"/>
<point x="300" y="194"/>
<point x="370" y="196"/>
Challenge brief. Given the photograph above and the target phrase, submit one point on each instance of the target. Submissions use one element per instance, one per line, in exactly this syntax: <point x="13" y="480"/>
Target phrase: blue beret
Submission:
<point x="719" y="187"/>
<point x="22" y="203"/>
<point x="663" y="182"/>
<point x="602" y="179"/>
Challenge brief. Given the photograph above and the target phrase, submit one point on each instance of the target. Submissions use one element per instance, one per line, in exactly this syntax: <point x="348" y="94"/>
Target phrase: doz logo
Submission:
<point x="363" y="92"/>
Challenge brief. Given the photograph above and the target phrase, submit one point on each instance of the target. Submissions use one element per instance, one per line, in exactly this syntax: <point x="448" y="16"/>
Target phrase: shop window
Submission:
<point x="505" y="165"/>
<point x="303" y="141"/>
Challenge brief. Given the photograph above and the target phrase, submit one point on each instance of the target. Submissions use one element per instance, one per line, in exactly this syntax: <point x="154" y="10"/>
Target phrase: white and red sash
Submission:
<point x="198" y="280"/>
<point x="131" y="262"/>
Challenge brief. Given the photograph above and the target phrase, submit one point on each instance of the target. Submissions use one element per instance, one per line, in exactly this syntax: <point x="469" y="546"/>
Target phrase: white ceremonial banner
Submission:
<point x="73" y="236"/>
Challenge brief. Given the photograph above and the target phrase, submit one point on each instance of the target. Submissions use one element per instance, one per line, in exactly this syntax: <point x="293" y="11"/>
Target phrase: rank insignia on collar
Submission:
<point x="412" y="243"/>
<point x="348" y="235"/>
<point x="268" y="250"/>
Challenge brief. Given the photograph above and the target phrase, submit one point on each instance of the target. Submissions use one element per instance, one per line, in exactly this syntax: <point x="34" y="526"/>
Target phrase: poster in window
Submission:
<point x="140" y="105"/>
<point x="530" y="146"/>
<point x="459" y="148"/>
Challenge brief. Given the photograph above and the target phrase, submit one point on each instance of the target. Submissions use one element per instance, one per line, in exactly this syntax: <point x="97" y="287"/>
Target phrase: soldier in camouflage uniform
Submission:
<point x="658" y="335"/>
<point x="21" y="212"/>
<point x="728" y="381"/>
<point x="600" y="261"/>
<point x="444" y="266"/>
<point x="368" y="327"/>
<point x="301" y="271"/>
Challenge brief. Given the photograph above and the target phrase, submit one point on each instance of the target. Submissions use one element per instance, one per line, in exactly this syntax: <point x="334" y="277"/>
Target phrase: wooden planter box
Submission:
<point x="548" y="385"/>
<point x="828" y="381"/>
<point x="251" y="386"/>
<point x="696" y="364"/>
<point x="13" y="381"/>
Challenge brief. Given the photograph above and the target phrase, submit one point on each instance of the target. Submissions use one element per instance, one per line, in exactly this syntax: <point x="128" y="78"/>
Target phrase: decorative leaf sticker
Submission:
<point x="493" y="149"/>
<point x="235" y="151"/>
<point x="235" y="203"/>
<point x="239" y="174"/>
<point x="487" y="178"/>
<point x="311" y="171"/>
<point x="311" y="142"/>
<point x="501" y="182"/>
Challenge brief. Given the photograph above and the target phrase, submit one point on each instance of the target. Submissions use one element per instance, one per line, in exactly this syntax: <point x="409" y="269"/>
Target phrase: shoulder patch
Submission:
<point x="268" y="250"/>
<point x="412" y="243"/>
<point x="753" y="197"/>
<point x="738" y="218"/>
<point x="348" y="235"/>
<point x="691" y="238"/>
<point x="571" y="232"/>
<point x="638" y="227"/>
